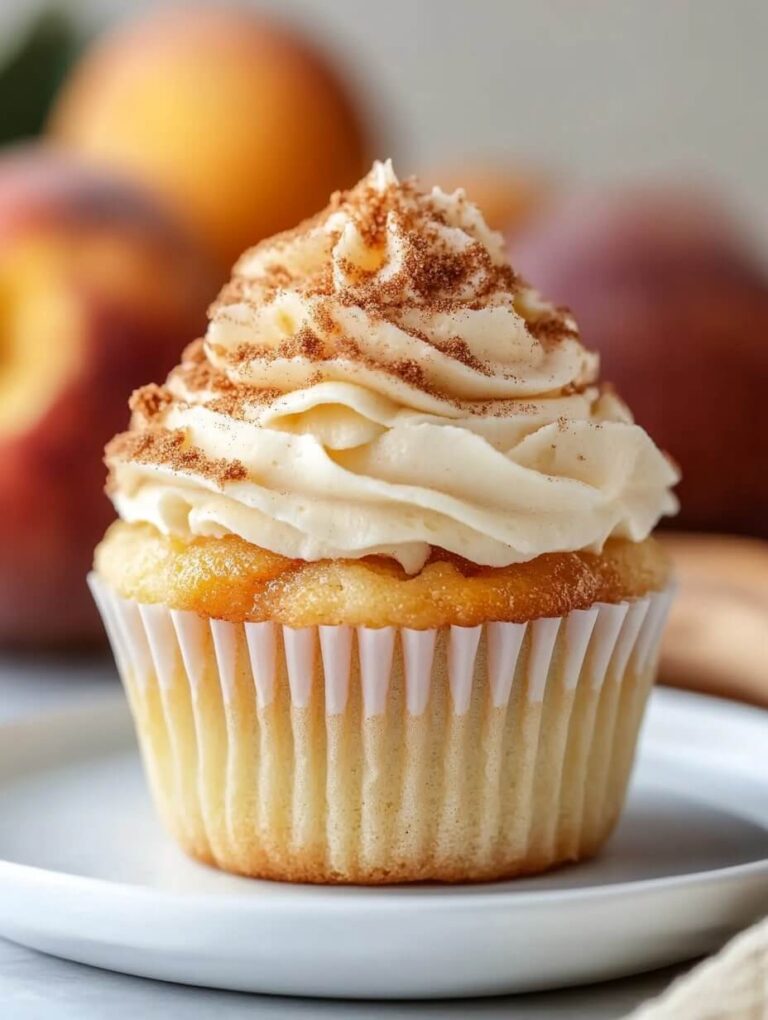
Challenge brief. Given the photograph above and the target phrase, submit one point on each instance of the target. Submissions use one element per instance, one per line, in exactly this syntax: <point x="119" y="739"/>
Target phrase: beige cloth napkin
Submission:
<point x="733" y="985"/>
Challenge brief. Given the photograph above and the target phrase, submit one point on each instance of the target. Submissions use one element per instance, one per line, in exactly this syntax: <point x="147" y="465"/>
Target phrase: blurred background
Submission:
<point x="621" y="149"/>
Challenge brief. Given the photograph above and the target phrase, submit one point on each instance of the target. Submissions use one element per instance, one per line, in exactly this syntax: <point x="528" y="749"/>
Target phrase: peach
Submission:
<point x="507" y="195"/>
<point x="667" y="287"/>
<point x="99" y="289"/>
<point x="237" y="122"/>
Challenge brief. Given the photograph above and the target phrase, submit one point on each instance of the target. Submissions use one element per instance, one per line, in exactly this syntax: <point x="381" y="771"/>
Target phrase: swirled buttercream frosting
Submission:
<point x="379" y="381"/>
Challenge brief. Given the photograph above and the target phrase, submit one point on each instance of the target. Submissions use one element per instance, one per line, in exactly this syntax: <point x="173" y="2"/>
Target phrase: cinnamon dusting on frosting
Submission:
<point x="459" y="350"/>
<point x="433" y="277"/>
<point x="148" y="403"/>
<point x="171" y="449"/>
<point x="382" y="383"/>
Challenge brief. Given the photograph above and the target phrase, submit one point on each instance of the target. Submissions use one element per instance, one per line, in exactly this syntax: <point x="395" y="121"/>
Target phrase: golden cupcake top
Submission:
<point x="380" y="382"/>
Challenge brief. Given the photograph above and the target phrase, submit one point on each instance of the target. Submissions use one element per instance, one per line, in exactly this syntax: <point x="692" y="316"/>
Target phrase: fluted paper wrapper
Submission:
<point x="341" y="754"/>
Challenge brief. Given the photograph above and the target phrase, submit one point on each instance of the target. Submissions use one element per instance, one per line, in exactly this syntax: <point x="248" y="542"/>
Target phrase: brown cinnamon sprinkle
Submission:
<point x="303" y="344"/>
<point x="433" y="277"/>
<point x="410" y="372"/>
<point x="240" y="401"/>
<point x="550" y="329"/>
<point x="197" y="375"/>
<point x="148" y="403"/>
<point x="171" y="448"/>
<point x="458" y="349"/>
<point x="323" y="316"/>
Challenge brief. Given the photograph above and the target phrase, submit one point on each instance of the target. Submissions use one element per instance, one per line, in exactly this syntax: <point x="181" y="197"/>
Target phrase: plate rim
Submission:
<point x="301" y="897"/>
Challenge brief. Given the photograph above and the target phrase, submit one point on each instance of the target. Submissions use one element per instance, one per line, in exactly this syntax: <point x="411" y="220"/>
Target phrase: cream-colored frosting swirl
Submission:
<point x="379" y="381"/>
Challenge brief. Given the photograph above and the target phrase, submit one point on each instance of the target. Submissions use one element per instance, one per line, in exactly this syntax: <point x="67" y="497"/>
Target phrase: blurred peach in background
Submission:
<point x="98" y="290"/>
<point x="241" y="125"/>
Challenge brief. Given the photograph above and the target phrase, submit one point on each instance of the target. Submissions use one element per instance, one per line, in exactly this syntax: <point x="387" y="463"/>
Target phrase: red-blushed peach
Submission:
<point x="99" y="290"/>
<point x="235" y="120"/>
<point x="507" y="195"/>
<point x="667" y="287"/>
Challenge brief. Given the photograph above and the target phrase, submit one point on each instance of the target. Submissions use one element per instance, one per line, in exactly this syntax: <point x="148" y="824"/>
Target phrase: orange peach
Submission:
<point x="99" y="289"/>
<point x="234" y="119"/>
<point x="506" y="194"/>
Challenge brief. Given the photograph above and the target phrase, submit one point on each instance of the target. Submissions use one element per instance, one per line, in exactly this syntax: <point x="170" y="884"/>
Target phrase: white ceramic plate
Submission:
<point x="87" y="874"/>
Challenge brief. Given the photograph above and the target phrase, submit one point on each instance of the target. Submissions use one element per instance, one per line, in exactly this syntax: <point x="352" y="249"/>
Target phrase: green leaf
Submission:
<point x="31" y="70"/>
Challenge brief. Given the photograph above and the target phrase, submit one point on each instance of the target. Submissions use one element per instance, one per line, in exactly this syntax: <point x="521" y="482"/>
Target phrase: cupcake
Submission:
<point x="382" y="592"/>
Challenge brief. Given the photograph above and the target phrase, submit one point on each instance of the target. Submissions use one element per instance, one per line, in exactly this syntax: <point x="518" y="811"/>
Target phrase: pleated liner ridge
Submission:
<point x="339" y="754"/>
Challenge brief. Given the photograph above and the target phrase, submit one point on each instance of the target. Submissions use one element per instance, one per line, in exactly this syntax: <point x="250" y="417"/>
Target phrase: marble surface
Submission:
<point x="37" y="987"/>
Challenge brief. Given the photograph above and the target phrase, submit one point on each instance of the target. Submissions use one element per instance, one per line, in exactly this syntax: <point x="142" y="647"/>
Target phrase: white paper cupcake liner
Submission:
<point x="357" y="754"/>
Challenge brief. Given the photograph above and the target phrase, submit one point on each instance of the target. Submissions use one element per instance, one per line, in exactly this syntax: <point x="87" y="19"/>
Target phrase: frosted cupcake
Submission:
<point x="382" y="592"/>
